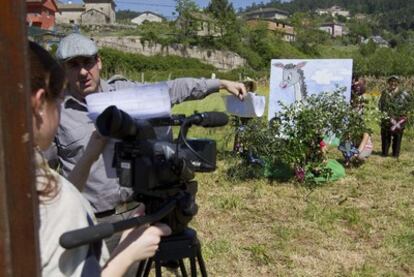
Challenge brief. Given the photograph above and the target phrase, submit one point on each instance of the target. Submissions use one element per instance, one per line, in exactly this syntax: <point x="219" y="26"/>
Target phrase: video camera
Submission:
<point x="159" y="170"/>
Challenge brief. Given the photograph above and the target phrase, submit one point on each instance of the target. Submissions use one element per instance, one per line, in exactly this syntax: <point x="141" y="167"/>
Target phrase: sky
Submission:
<point x="167" y="7"/>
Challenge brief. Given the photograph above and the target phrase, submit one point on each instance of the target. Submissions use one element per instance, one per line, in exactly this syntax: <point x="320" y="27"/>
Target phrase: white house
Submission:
<point x="378" y="40"/>
<point x="266" y="13"/>
<point x="333" y="11"/>
<point x="147" y="16"/>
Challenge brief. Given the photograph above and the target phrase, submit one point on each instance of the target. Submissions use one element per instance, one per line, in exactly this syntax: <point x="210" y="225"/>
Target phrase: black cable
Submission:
<point x="184" y="140"/>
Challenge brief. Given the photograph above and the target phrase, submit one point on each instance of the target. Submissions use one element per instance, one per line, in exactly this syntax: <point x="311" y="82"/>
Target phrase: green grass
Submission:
<point x="361" y="225"/>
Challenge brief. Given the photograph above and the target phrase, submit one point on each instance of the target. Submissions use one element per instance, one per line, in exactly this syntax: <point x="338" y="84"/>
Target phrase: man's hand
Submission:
<point x="235" y="88"/>
<point x="95" y="146"/>
<point x="79" y="174"/>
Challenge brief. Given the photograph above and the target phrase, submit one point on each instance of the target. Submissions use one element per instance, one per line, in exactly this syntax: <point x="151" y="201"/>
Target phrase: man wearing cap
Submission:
<point x="393" y="103"/>
<point x="82" y="63"/>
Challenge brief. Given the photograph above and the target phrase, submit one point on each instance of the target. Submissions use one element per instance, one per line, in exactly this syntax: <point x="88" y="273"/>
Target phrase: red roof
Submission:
<point x="49" y="4"/>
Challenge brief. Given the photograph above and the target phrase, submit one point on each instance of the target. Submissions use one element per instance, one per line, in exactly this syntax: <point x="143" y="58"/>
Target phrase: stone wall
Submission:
<point x="224" y="60"/>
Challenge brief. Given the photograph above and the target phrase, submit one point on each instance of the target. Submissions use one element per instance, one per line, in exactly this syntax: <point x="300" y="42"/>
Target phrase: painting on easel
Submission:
<point x="293" y="80"/>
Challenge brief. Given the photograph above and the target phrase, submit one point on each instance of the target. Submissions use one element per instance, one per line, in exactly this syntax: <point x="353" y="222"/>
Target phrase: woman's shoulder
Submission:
<point x="64" y="211"/>
<point x="66" y="199"/>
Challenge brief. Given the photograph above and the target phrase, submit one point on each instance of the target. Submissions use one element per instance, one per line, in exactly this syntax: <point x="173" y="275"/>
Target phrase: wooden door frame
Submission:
<point x="19" y="251"/>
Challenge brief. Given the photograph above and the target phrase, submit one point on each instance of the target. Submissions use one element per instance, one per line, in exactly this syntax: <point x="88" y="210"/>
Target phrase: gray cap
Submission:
<point x="393" y="77"/>
<point x="76" y="45"/>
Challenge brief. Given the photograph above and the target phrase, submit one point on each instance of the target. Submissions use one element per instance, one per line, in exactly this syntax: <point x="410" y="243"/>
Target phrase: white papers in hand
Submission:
<point x="252" y="106"/>
<point x="141" y="101"/>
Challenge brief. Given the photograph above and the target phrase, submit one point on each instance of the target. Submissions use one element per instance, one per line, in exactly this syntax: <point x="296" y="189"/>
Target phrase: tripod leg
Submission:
<point x="182" y="268"/>
<point x="148" y="267"/>
<point x="158" y="268"/>
<point x="141" y="268"/>
<point x="201" y="263"/>
<point x="193" y="267"/>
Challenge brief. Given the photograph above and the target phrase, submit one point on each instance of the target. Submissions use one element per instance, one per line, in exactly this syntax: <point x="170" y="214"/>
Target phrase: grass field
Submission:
<point x="362" y="225"/>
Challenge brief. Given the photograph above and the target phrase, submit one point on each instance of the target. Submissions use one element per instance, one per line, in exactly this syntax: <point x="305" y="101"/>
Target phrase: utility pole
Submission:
<point x="19" y="254"/>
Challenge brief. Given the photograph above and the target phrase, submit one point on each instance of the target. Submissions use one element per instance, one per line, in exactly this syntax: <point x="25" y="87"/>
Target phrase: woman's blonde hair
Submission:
<point x="47" y="74"/>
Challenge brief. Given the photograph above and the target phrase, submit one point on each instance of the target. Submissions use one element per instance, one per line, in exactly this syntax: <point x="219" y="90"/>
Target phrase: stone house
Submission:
<point x="107" y="7"/>
<point x="333" y="29"/>
<point x="41" y="13"/>
<point x="287" y="31"/>
<point x="91" y="12"/>
<point x="94" y="17"/>
<point x="147" y="16"/>
<point x="69" y="13"/>
<point x="202" y="24"/>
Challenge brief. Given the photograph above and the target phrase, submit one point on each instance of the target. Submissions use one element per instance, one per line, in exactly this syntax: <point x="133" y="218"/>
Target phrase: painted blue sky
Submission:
<point x="321" y="75"/>
<point x="167" y="7"/>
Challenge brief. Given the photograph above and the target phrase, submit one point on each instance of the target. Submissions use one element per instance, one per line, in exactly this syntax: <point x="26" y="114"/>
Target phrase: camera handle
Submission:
<point x="98" y="232"/>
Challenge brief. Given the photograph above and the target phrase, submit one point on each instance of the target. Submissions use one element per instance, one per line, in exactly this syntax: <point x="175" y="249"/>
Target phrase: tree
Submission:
<point x="184" y="8"/>
<point x="369" y="48"/>
<point x="359" y="29"/>
<point x="225" y="16"/>
<point x="308" y="36"/>
<point x="223" y="11"/>
<point x="125" y="16"/>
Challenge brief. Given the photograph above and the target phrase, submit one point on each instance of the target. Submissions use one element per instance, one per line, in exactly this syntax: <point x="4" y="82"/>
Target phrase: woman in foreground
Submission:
<point x="62" y="208"/>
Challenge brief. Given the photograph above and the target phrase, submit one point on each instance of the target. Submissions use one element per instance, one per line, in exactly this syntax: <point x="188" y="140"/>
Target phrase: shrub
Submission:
<point x="294" y="135"/>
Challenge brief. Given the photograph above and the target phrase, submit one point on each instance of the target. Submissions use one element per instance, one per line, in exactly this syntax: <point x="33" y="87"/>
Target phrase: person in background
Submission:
<point x="358" y="101"/>
<point x="358" y="89"/>
<point x="61" y="206"/>
<point x="393" y="103"/>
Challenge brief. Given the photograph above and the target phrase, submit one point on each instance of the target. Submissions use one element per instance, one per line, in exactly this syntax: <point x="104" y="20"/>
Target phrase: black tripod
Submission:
<point x="176" y="248"/>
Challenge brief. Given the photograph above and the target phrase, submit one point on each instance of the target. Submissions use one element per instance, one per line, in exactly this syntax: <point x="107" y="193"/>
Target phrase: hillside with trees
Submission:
<point x="258" y="45"/>
<point x="395" y="15"/>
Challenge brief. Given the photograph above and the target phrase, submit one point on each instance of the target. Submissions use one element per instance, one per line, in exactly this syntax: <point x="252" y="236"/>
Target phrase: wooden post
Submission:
<point x="19" y="255"/>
